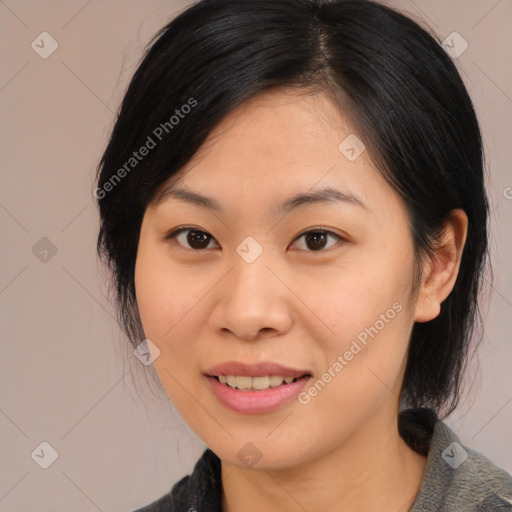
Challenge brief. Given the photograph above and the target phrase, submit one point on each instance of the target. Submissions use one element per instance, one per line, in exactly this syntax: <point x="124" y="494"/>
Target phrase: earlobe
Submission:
<point x="440" y="272"/>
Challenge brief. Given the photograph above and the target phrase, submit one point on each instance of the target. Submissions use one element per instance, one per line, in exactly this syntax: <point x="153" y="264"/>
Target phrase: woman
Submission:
<point x="293" y="207"/>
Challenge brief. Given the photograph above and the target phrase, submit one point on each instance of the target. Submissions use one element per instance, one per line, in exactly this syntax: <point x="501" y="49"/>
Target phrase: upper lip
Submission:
<point x="260" y="369"/>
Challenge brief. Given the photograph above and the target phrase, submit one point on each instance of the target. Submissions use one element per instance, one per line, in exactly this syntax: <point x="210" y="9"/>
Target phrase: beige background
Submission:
<point x="65" y="378"/>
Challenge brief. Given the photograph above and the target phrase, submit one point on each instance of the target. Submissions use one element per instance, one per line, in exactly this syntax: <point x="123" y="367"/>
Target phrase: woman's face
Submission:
<point x="321" y="286"/>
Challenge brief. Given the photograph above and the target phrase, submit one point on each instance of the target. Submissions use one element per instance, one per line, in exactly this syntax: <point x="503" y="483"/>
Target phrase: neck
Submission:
<point x="373" y="470"/>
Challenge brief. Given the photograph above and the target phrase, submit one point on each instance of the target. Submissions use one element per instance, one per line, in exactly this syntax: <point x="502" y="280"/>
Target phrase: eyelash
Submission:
<point x="173" y="234"/>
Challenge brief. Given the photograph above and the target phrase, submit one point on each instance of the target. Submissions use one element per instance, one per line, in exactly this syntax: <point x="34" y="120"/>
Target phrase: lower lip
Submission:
<point x="256" y="402"/>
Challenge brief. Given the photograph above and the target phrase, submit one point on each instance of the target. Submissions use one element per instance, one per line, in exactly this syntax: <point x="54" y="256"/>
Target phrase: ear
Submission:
<point x="440" y="272"/>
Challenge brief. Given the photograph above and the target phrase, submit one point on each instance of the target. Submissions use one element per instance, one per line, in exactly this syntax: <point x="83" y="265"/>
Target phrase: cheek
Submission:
<point x="172" y="302"/>
<point x="169" y="318"/>
<point x="354" y="296"/>
<point x="361" y="370"/>
<point x="161" y="306"/>
<point x="366" y="306"/>
<point x="165" y="295"/>
<point x="154" y="297"/>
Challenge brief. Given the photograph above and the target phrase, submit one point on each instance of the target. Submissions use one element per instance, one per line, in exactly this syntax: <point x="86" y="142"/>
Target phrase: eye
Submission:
<point x="196" y="239"/>
<point x="316" y="240"/>
<point x="191" y="238"/>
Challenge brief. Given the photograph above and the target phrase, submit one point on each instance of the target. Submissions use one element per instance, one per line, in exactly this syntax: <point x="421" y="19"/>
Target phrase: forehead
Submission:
<point x="279" y="135"/>
<point x="263" y="160"/>
<point x="279" y="123"/>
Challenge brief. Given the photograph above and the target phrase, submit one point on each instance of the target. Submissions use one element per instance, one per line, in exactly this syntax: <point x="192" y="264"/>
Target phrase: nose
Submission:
<point x="252" y="302"/>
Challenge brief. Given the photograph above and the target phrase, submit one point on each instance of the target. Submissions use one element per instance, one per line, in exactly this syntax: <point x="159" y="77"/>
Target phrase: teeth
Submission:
<point x="275" y="381"/>
<point x="259" y="382"/>
<point x="243" y="382"/>
<point x="254" y="383"/>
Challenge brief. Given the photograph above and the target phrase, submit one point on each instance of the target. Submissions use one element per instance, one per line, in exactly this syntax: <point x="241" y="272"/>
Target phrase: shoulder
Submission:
<point x="459" y="478"/>
<point x="167" y="503"/>
<point x="200" y="490"/>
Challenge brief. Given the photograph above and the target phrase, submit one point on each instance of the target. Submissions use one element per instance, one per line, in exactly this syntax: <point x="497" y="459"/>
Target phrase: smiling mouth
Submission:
<point x="262" y="383"/>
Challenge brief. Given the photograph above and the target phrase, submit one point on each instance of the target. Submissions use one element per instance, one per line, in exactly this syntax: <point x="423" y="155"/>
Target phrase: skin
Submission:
<point x="293" y="305"/>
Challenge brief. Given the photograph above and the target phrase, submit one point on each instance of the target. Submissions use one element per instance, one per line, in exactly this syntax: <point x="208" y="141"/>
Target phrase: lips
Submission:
<point x="260" y="369"/>
<point x="254" y="391"/>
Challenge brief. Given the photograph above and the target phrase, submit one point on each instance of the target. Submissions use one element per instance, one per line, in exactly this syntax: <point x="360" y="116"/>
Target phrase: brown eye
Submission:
<point x="191" y="238"/>
<point x="317" y="240"/>
<point x="196" y="239"/>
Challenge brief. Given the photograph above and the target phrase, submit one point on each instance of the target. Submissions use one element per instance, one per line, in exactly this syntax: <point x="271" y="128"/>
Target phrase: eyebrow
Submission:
<point x="324" y="195"/>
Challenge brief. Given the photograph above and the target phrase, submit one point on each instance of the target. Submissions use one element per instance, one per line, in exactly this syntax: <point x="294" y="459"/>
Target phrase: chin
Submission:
<point x="259" y="456"/>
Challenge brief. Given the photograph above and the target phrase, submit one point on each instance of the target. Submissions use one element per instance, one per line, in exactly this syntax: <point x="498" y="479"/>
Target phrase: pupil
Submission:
<point x="318" y="239"/>
<point x="197" y="239"/>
